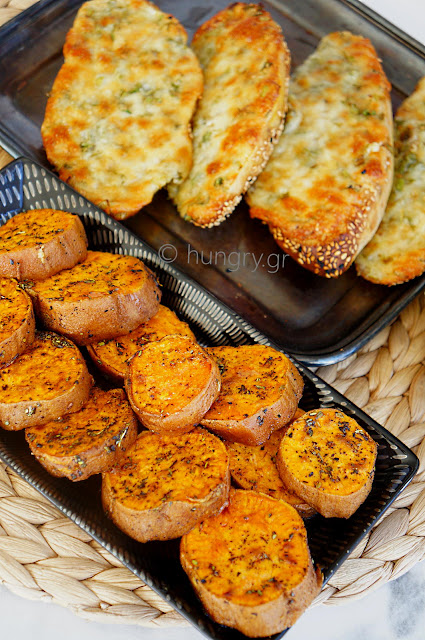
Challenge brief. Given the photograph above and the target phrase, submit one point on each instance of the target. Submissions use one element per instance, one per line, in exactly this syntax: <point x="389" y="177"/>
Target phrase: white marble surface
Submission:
<point x="394" y="612"/>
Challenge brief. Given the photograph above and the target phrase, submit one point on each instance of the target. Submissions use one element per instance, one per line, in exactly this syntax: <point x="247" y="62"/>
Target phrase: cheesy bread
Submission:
<point x="324" y="191"/>
<point x="117" y="120"/>
<point x="396" y="252"/>
<point x="240" y="115"/>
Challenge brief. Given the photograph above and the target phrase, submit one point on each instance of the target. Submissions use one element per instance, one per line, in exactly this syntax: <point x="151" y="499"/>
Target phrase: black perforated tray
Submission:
<point x="26" y="185"/>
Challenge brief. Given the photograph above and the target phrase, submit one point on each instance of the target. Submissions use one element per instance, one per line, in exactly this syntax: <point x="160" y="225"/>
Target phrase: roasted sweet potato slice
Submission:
<point x="259" y="393"/>
<point x="166" y="484"/>
<point x="328" y="459"/>
<point x="47" y="381"/>
<point x="254" y="467"/>
<point x="17" y="323"/>
<point x="105" y="296"/>
<point x="86" y="442"/>
<point x="251" y="565"/>
<point x="36" y="244"/>
<point x="111" y="356"/>
<point x="172" y="383"/>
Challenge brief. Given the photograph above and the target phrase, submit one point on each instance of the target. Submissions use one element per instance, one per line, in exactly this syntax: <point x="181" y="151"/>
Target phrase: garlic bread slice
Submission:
<point x="396" y="252"/>
<point x="240" y="114"/>
<point x="117" y="122"/>
<point x="324" y="191"/>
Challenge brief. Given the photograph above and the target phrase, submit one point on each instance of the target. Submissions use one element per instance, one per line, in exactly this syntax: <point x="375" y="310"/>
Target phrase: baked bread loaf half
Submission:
<point x="166" y="484"/>
<point x="36" y="244"/>
<point x="240" y="115"/>
<point x="396" y="252"/>
<point x="260" y="391"/>
<point x="328" y="459"/>
<point x="17" y="322"/>
<point x="251" y="566"/>
<point x="325" y="189"/>
<point x="117" y="122"/>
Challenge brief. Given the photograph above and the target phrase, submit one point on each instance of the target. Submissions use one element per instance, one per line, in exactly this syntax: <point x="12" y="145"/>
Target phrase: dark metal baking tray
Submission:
<point x="320" y="321"/>
<point x="26" y="185"/>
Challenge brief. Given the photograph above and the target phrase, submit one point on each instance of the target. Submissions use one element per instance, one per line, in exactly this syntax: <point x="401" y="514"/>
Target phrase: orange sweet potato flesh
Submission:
<point x="47" y="381"/>
<point x="105" y="296"/>
<point x="17" y="323"/>
<point x="260" y="392"/>
<point x="166" y="484"/>
<point x="250" y="565"/>
<point x="112" y="356"/>
<point x="89" y="441"/>
<point x="36" y="244"/>
<point x="328" y="459"/>
<point x="171" y="384"/>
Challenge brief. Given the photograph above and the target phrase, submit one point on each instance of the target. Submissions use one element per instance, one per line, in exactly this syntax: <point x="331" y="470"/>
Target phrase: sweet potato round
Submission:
<point x="112" y="356"/>
<point x="328" y="459"/>
<point x="105" y="296"/>
<point x="17" y="323"/>
<point x="89" y="441"/>
<point x="171" y="384"/>
<point x="166" y="484"/>
<point x="36" y="244"/>
<point x="47" y="381"/>
<point x="259" y="394"/>
<point x="250" y="565"/>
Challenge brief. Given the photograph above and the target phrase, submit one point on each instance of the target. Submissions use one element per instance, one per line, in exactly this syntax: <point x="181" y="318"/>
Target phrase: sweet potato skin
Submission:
<point x="39" y="243"/>
<point x="89" y="441"/>
<point x="329" y="460"/>
<point x="185" y="478"/>
<point x="106" y="296"/>
<point x="260" y="392"/>
<point x="47" y="381"/>
<point x="112" y="356"/>
<point x="171" y="384"/>
<point x="17" y="322"/>
<point x="250" y="565"/>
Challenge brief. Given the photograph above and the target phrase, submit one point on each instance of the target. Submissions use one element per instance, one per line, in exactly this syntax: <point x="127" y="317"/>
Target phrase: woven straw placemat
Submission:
<point x="45" y="556"/>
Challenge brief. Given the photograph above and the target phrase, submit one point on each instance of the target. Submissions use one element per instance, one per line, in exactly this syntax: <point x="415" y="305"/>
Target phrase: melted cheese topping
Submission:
<point x="246" y="68"/>
<point x="397" y="251"/>
<point x="325" y="187"/>
<point x="117" y="120"/>
<point x="15" y="307"/>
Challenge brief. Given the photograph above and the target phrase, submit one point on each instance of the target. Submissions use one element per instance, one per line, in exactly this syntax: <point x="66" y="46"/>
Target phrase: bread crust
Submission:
<point x="171" y="384"/>
<point x="186" y="481"/>
<point x="106" y="296"/>
<point x="90" y="441"/>
<point x="329" y="460"/>
<point x="240" y="114"/>
<point x="47" y="381"/>
<point x="323" y="195"/>
<point x="39" y="243"/>
<point x="17" y="322"/>
<point x="260" y="392"/>
<point x="270" y="579"/>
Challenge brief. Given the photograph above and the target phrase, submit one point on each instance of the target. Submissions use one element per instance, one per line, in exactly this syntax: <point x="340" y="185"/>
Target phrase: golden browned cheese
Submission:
<point x="167" y="484"/>
<point x="38" y="243"/>
<point x="324" y="191"/>
<point x="111" y="356"/>
<point x="240" y="115"/>
<point x="17" y="323"/>
<point x="117" y="120"/>
<point x="47" y="381"/>
<point x="105" y="296"/>
<point x="259" y="394"/>
<point x="396" y="252"/>
<point x="251" y="564"/>
<point x="172" y="383"/>
<point x="329" y="460"/>
<point x="89" y="441"/>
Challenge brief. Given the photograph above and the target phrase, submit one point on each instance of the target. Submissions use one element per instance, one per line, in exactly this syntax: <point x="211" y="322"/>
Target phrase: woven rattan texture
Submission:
<point x="45" y="556"/>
